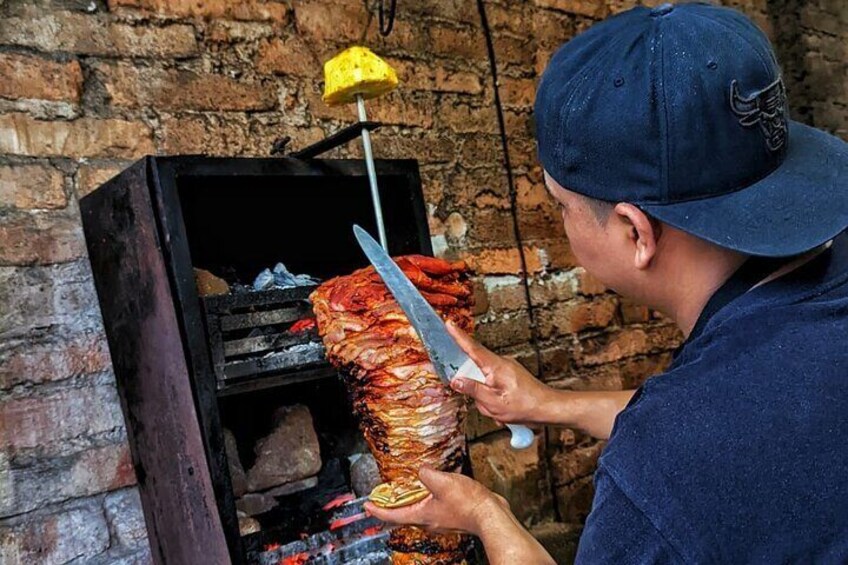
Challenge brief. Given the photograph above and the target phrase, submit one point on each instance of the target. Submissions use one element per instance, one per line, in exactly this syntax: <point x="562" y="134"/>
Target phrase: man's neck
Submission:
<point x="694" y="288"/>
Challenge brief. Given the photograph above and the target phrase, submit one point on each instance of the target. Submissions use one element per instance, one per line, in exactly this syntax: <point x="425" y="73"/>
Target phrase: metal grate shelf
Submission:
<point x="251" y="343"/>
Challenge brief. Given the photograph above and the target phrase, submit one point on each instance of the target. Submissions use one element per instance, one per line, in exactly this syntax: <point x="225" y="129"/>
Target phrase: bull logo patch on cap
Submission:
<point x="766" y="108"/>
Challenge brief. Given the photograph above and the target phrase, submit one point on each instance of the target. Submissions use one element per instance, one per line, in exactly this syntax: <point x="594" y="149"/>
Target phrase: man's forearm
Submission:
<point x="592" y="412"/>
<point x="507" y="542"/>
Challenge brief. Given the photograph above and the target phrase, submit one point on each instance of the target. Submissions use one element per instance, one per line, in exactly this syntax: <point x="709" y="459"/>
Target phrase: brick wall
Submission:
<point x="811" y="39"/>
<point x="87" y="86"/>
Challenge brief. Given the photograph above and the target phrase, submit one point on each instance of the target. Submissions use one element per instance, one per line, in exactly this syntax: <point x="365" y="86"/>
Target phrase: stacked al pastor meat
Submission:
<point x="408" y="416"/>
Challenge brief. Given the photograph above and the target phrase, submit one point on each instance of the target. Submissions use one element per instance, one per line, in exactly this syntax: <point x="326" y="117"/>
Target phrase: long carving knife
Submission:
<point x="449" y="360"/>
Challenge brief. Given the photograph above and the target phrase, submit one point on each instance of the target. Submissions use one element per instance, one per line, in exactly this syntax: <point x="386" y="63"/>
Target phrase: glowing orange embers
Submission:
<point x="340" y="500"/>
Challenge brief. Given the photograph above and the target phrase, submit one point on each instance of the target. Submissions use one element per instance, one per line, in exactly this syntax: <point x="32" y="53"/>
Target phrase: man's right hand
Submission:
<point x="511" y="394"/>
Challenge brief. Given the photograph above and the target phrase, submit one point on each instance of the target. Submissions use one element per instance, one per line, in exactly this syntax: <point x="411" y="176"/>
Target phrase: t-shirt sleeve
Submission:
<point x="618" y="532"/>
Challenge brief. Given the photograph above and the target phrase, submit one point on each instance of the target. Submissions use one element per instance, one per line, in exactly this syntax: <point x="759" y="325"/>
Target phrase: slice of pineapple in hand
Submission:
<point x="400" y="492"/>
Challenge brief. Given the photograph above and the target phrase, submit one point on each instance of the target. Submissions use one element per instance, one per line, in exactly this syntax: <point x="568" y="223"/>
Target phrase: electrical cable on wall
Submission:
<point x="513" y="199"/>
<point x="387" y="22"/>
<point x="513" y="202"/>
<point x="385" y="19"/>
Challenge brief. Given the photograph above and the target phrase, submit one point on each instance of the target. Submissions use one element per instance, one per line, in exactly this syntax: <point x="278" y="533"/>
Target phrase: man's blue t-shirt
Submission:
<point x="739" y="452"/>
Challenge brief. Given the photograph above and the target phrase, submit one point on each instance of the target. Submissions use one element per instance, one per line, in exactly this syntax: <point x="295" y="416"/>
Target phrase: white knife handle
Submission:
<point x="522" y="436"/>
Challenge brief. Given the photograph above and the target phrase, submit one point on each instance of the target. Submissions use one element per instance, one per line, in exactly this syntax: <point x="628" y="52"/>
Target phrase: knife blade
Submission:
<point x="449" y="360"/>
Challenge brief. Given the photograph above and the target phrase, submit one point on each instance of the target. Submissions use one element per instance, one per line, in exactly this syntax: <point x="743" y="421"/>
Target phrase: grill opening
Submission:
<point x="275" y="391"/>
<point x="299" y="523"/>
<point x="238" y="226"/>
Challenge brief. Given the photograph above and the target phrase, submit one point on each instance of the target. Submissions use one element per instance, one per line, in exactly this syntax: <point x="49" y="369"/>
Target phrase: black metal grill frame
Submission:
<point x="137" y="217"/>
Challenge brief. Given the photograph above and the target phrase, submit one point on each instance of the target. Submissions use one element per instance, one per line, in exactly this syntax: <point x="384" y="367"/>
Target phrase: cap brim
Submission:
<point x="799" y="206"/>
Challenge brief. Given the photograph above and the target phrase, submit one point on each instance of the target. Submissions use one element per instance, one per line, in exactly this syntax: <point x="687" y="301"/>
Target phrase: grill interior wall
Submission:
<point x="238" y="226"/>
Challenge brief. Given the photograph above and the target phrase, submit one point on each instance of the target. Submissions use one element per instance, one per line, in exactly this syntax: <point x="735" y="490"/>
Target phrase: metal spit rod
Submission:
<point x="372" y="173"/>
<point x="354" y="75"/>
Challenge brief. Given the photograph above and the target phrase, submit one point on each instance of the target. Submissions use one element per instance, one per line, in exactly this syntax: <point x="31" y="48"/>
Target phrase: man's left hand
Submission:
<point x="456" y="504"/>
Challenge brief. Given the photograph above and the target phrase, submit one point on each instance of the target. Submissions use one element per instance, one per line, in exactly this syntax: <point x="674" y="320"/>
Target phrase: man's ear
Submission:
<point x="643" y="233"/>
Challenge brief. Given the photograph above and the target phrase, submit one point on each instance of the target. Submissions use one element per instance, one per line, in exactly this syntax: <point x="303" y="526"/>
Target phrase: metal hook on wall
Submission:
<point x="386" y="24"/>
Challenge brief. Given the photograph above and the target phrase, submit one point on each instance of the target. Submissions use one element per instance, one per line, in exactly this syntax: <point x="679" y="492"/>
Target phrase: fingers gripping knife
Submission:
<point x="354" y="75"/>
<point x="448" y="359"/>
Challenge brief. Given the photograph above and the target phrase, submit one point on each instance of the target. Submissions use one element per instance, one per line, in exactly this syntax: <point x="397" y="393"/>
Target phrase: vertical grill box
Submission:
<point x="177" y="357"/>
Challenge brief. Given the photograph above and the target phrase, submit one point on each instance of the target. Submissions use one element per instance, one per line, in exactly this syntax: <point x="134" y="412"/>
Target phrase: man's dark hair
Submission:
<point x="600" y="208"/>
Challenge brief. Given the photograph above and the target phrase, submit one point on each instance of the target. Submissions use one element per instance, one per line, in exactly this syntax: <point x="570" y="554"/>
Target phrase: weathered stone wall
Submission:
<point x="86" y="86"/>
<point x="811" y="39"/>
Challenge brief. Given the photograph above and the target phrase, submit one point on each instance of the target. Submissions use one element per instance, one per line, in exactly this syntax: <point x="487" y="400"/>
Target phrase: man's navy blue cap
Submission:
<point x="681" y="110"/>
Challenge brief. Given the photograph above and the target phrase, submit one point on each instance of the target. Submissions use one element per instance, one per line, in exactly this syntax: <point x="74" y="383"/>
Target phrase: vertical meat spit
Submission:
<point x="354" y="75"/>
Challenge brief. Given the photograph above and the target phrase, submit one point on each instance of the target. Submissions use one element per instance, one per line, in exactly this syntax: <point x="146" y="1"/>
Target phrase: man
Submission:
<point x="665" y="139"/>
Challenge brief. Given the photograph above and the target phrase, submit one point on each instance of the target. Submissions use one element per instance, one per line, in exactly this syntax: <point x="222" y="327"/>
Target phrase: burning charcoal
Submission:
<point x="302" y="325"/>
<point x="339" y="501"/>
<point x="237" y="475"/>
<point x="352" y="538"/>
<point x="247" y="525"/>
<point x="347" y="520"/>
<point x="264" y="280"/>
<point x="254" y="504"/>
<point x="302" y="352"/>
<point x="208" y="284"/>
<point x="376" y="558"/>
<point x="364" y="474"/>
<point x="289" y="453"/>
